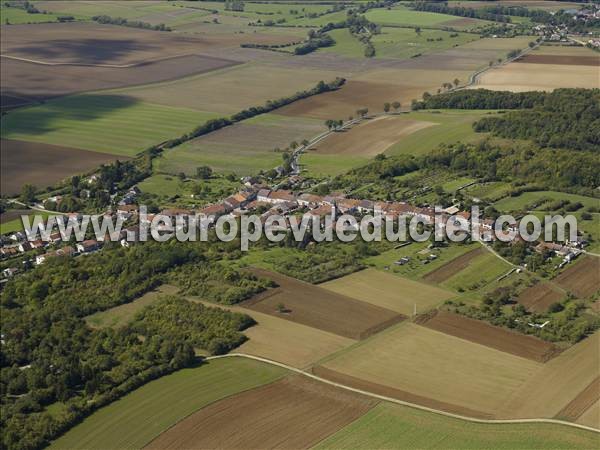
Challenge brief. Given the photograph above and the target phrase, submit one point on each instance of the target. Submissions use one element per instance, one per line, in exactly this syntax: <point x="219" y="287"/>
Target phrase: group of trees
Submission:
<point x="130" y="23"/>
<point x="25" y="5"/>
<point x="443" y="8"/>
<point x="316" y="40"/>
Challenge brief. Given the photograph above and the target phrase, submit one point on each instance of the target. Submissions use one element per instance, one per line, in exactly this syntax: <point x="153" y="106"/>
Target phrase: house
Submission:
<point x="24" y="247"/>
<point x="10" y="272"/>
<point x="65" y="251"/>
<point x="175" y="212"/>
<point x="309" y="200"/>
<point x="215" y="211"/>
<point x="365" y="206"/>
<point x="347" y="205"/>
<point x="232" y="202"/>
<point x="281" y="197"/>
<point x="322" y="211"/>
<point x="263" y="195"/>
<point x="126" y="211"/>
<point x="88" y="246"/>
<point x="55" y="238"/>
<point x="559" y="249"/>
<point x="37" y="244"/>
<point x="7" y="252"/>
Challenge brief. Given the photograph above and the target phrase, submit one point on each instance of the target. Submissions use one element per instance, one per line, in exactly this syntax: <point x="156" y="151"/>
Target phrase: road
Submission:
<point x="400" y="402"/>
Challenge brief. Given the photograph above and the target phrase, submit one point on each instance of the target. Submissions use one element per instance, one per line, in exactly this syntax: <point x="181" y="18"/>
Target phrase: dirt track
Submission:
<point x="580" y="404"/>
<point x="451" y="268"/>
<point x="495" y="337"/>
<point x="43" y="164"/>
<point x="539" y="297"/>
<point x="322" y="309"/>
<point x="293" y="413"/>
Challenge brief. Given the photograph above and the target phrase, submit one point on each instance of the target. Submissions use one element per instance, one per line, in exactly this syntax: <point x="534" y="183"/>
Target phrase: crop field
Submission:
<point x="370" y="137"/>
<point x="404" y="43"/>
<point x="438" y="367"/>
<point x="556" y="384"/>
<point x="285" y="341"/>
<point x="244" y="148"/>
<point x="453" y="267"/>
<point x="581" y="277"/>
<point x="492" y="191"/>
<point x="83" y="121"/>
<point x="584" y="400"/>
<point x="494" y="337"/>
<point x="320" y="308"/>
<point x="233" y="89"/>
<point x="539" y="297"/>
<point x="43" y="164"/>
<point x="536" y="200"/>
<point x="123" y="314"/>
<point x="395" y="427"/>
<point x="389" y="291"/>
<point x="137" y="418"/>
<point x="545" y="70"/>
<point x="481" y="270"/>
<point x="591" y="417"/>
<point x="295" y="412"/>
<point x="401" y="15"/>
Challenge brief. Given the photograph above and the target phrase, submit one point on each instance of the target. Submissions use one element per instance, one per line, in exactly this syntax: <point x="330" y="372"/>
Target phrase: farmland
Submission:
<point x="420" y="361"/>
<point x="537" y="199"/>
<point x="395" y="426"/>
<point x="292" y="413"/>
<point x="82" y="121"/>
<point x="539" y="297"/>
<point x="401" y="15"/>
<point x="581" y="278"/>
<point x="43" y="164"/>
<point x="322" y="309"/>
<point x="481" y="270"/>
<point x="452" y="267"/>
<point x="388" y="291"/>
<point x="136" y="419"/>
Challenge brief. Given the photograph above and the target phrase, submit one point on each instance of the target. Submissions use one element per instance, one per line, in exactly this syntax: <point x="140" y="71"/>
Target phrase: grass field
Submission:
<point x="536" y="200"/>
<point x="121" y="315"/>
<point x="398" y="427"/>
<point x="15" y="16"/>
<point x="114" y="124"/>
<point x="172" y="189"/>
<point x="436" y="366"/>
<point x="13" y="225"/>
<point x="480" y="271"/>
<point x="136" y="419"/>
<point x="402" y="15"/>
<point x="389" y="291"/>
<point x="345" y="44"/>
<point x="490" y="191"/>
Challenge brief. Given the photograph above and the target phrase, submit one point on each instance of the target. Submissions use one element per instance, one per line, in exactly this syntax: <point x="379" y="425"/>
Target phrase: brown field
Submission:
<point x="580" y="404"/>
<point x="322" y="309"/>
<point x="389" y="291"/>
<point x="292" y="413"/>
<point x="434" y="365"/>
<point x="495" y="337"/>
<point x="371" y="137"/>
<point x="24" y="82"/>
<point x="561" y="59"/>
<point x="451" y="268"/>
<point x="43" y="164"/>
<point x="581" y="278"/>
<point x="283" y="341"/>
<point x="591" y="417"/>
<point x="13" y="214"/>
<point x="556" y="384"/>
<point x="399" y="394"/>
<point x="539" y="297"/>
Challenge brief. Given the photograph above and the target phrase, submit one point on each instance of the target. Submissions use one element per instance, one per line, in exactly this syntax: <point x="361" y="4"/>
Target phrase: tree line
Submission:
<point x="104" y="19"/>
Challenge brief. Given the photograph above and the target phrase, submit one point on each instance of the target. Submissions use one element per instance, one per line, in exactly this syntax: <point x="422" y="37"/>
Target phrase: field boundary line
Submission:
<point x="401" y="402"/>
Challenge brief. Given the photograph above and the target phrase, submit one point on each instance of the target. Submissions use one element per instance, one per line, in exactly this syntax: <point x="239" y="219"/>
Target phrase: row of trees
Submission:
<point x="130" y="23"/>
<point x="443" y="8"/>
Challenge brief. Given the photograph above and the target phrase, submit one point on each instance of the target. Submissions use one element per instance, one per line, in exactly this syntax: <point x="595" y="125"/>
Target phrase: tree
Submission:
<point x="426" y="96"/>
<point x="28" y="193"/>
<point x="418" y="30"/>
<point x="456" y="82"/>
<point x="281" y="308"/>
<point x="329" y="124"/>
<point x="362" y="112"/>
<point x="386" y="107"/>
<point x="396" y="105"/>
<point x="203" y="172"/>
<point x="293" y="145"/>
<point x="181" y="176"/>
<point x="305" y="142"/>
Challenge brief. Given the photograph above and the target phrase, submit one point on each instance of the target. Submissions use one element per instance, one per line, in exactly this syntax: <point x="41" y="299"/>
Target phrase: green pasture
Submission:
<point x="403" y="16"/>
<point x="345" y="44"/>
<point x="540" y="198"/>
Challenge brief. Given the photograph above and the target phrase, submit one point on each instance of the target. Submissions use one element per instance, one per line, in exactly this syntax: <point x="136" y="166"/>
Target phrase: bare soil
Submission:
<point x="580" y="404"/>
<point x="561" y="59"/>
<point x="582" y="278"/>
<point x="539" y="297"/>
<point x="43" y="164"/>
<point x="322" y="309"/>
<point x="292" y="413"/>
<point x="491" y="336"/>
<point x="399" y="394"/>
<point x="451" y="268"/>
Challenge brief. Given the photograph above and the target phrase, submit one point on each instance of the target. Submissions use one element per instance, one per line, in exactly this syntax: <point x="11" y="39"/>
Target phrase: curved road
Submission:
<point x="400" y="402"/>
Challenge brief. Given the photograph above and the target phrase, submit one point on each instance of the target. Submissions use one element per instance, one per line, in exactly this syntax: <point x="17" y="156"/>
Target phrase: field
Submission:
<point x="547" y="5"/>
<point x="494" y="337"/>
<point x="388" y="291"/>
<point x="15" y="16"/>
<point x="43" y="164"/>
<point x="345" y="44"/>
<point x="292" y="413"/>
<point x="545" y="70"/>
<point x="403" y="16"/>
<point x="584" y="400"/>
<point x="556" y="384"/>
<point x="396" y="427"/>
<point x="581" y="277"/>
<point x="438" y="367"/>
<point x="539" y="297"/>
<point x="491" y="191"/>
<point x="123" y="314"/>
<point x="84" y="121"/>
<point x="284" y="341"/>
<point x="370" y="137"/>
<point x="137" y="418"/>
<point x="535" y="201"/>
<point x="591" y="417"/>
<point x="311" y="305"/>
<point x="10" y="221"/>
<point x="244" y="148"/>
<point x="452" y="267"/>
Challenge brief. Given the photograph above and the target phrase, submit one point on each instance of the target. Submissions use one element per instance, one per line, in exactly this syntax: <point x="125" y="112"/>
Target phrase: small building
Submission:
<point x="88" y="246"/>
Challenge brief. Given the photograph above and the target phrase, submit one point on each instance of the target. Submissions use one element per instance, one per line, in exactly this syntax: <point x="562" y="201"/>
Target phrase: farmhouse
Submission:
<point x="88" y="246"/>
<point x="310" y="200"/>
<point x="268" y="196"/>
<point x="215" y="210"/>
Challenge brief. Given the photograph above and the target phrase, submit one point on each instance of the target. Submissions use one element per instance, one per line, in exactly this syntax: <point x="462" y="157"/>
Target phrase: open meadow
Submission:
<point x="403" y="16"/>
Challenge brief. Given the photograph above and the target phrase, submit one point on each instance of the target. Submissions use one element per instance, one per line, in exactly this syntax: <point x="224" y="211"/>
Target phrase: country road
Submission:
<point x="400" y="402"/>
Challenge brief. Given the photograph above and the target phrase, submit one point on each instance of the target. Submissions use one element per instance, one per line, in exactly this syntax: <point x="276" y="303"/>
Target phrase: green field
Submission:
<point x="114" y="124"/>
<point x="481" y="271"/>
<point x="398" y="427"/>
<point x="493" y="190"/>
<point x="17" y="224"/>
<point x="452" y="126"/>
<point x="405" y="43"/>
<point x="136" y="419"/>
<point x="345" y="44"/>
<point x="452" y="185"/>
<point x="402" y="15"/>
<point x="172" y="190"/>
<point x="538" y="198"/>
<point x="321" y="165"/>
<point x="15" y="16"/>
